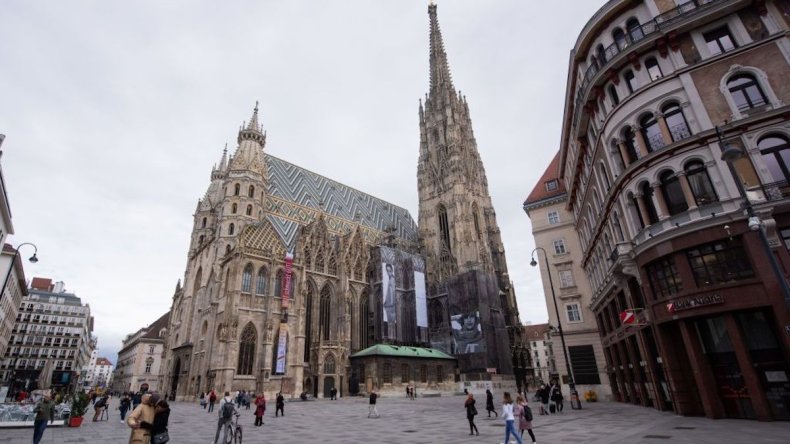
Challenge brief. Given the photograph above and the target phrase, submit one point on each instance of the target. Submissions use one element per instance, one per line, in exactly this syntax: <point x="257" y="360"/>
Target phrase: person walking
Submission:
<point x="372" y="406"/>
<point x="260" y="408"/>
<point x="279" y="405"/>
<point x="490" y="403"/>
<point x="158" y="428"/>
<point x="226" y="411"/>
<point x="143" y="412"/>
<point x="98" y="407"/>
<point x="471" y="412"/>
<point x="555" y="394"/>
<point x="212" y="398"/>
<point x="124" y="405"/>
<point x="507" y="415"/>
<point x="203" y="400"/>
<point x="524" y="414"/>
<point x="544" y="400"/>
<point x="45" y="413"/>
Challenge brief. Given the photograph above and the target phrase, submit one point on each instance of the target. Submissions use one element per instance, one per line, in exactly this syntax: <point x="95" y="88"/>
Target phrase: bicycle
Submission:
<point x="233" y="432"/>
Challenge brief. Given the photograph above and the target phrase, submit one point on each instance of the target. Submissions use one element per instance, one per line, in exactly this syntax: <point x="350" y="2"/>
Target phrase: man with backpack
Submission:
<point x="226" y="411"/>
<point x="212" y="398"/>
<point x="99" y="406"/>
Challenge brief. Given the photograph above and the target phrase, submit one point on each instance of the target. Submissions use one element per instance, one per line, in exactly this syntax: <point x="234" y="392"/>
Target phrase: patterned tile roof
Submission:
<point x="296" y="197"/>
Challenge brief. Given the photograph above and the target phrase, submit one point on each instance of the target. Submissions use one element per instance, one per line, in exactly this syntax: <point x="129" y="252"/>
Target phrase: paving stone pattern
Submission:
<point x="428" y="420"/>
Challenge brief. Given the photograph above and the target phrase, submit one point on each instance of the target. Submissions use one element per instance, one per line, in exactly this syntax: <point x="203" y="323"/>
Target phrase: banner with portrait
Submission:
<point x="467" y="333"/>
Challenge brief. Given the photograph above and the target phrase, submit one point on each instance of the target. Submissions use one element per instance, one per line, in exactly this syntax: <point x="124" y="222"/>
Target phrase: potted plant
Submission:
<point x="79" y="405"/>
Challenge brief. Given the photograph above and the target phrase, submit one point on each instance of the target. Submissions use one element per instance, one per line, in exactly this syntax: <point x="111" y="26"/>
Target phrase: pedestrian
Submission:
<point x="279" y="405"/>
<point x="45" y="412"/>
<point x="212" y="398"/>
<point x="372" y="406"/>
<point x="471" y="412"/>
<point x="226" y="411"/>
<point x="408" y="391"/>
<point x="260" y="409"/>
<point x="143" y="412"/>
<point x="158" y="428"/>
<point x="490" y="403"/>
<point x="555" y="394"/>
<point x="524" y="414"/>
<point x="136" y="399"/>
<point x="124" y="405"/>
<point x="98" y="407"/>
<point x="203" y="400"/>
<point x="507" y="415"/>
<point x="544" y="399"/>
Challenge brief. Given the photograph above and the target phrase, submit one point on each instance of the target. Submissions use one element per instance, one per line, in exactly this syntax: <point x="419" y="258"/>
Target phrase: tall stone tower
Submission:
<point x="466" y="267"/>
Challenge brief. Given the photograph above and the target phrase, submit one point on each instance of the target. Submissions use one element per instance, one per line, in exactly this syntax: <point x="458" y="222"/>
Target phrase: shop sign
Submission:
<point x="694" y="302"/>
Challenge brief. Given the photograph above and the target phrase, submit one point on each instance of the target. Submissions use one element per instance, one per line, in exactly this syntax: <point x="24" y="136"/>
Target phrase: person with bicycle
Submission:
<point x="227" y="409"/>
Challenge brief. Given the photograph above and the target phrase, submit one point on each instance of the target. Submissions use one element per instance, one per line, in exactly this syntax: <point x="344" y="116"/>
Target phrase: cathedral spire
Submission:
<point x="440" y="70"/>
<point x="224" y="161"/>
<point x="252" y="130"/>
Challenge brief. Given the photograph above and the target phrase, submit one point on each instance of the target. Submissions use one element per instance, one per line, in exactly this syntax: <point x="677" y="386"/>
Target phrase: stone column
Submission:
<point x="659" y="202"/>
<point x="662" y="125"/>
<point x="627" y="160"/>
<point x="641" y="143"/>
<point x="640" y="201"/>
<point x="684" y="184"/>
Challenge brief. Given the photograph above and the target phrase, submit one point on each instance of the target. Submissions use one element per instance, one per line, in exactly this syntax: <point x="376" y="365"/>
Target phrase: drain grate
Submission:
<point x="657" y="436"/>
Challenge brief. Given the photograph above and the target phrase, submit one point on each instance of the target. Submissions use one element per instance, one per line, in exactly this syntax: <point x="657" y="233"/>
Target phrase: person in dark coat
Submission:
<point x="260" y="408"/>
<point x="125" y="405"/>
<point x="490" y="403"/>
<point x="471" y="412"/>
<point x="544" y="400"/>
<point x="161" y="416"/>
<point x="280" y="405"/>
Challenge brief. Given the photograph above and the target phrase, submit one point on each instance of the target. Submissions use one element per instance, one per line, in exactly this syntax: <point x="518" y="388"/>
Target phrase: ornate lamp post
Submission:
<point x="33" y="259"/>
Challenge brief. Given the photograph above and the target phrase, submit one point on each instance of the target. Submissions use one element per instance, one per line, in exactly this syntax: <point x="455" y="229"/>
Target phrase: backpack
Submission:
<point x="227" y="410"/>
<point x="527" y="412"/>
<point x="100" y="403"/>
<point x="212" y="397"/>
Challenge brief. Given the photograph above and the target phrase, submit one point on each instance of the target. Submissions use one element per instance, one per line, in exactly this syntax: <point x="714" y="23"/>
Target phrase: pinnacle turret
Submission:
<point x="252" y="130"/>
<point x="440" y="69"/>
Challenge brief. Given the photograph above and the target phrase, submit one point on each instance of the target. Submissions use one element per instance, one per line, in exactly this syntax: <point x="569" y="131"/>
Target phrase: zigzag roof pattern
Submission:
<point x="296" y="196"/>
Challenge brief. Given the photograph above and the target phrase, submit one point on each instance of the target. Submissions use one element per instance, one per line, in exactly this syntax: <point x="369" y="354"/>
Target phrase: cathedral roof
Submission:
<point x="296" y="196"/>
<point x="542" y="189"/>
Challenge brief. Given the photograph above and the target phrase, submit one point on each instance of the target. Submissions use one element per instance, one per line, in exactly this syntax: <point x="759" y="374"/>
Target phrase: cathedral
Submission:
<point x="290" y="275"/>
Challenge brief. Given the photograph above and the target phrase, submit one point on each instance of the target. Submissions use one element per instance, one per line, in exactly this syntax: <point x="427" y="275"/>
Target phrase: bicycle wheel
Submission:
<point x="238" y="434"/>
<point x="228" y="434"/>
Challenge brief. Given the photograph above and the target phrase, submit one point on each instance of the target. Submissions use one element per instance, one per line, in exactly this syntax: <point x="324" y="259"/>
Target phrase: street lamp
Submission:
<point x="571" y="383"/>
<point x="33" y="259"/>
<point x="730" y="154"/>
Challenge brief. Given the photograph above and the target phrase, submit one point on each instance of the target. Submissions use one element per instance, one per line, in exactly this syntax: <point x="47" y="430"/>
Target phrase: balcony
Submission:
<point x="776" y="190"/>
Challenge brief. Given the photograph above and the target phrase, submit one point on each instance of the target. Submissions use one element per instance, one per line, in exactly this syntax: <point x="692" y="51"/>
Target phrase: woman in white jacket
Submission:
<point x="507" y="415"/>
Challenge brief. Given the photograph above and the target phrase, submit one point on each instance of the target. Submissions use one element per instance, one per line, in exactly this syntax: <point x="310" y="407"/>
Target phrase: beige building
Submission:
<point x="139" y="360"/>
<point x="541" y="348"/>
<point x="15" y="289"/>
<point x="554" y="231"/>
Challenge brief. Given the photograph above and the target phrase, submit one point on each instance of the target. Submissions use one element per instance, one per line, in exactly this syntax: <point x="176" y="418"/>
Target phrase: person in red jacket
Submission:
<point x="260" y="408"/>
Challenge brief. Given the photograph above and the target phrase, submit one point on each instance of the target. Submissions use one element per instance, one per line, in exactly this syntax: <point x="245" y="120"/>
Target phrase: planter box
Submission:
<point x="75" y="421"/>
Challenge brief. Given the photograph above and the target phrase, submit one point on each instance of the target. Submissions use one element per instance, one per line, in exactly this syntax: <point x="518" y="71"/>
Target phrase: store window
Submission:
<point x="719" y="262"/>
<point x="664" y="277"/>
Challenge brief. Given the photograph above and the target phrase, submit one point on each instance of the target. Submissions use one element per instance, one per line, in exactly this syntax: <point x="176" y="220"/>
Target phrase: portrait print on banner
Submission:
<point x="467" y="333"/>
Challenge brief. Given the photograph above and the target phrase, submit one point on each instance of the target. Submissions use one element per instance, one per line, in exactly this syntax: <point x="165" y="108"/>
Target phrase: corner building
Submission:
<point x="659" y="213"/>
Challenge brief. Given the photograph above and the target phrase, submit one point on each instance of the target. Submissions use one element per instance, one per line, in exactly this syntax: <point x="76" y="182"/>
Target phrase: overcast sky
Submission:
<point x="115" y="112"/>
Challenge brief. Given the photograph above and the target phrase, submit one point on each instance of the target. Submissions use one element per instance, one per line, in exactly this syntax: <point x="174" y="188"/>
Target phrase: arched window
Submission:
<point x="604" y="176"/>
<point x="278" y="283"/>
<point x="363" y="320"/>
<point x="618" y="229"/>
<point x="332" y="266"/>
<point x="630" y="81"/>
<point x="200" y="240"/>
<point x="647" y="197"/>
<point x="325" y="308"/>
<point x="198" y="279"/>
<point x="234" y="208"/>
<point x="204" y="329"/>
<point x="634" y="29"/>
<point x="651" y="132"/>
<point x="676" y="122"/>
<point x="629" y="140"/>
<point x="673" y="193"/>
<point x="600" y="52"/>
<point x="636" y="214"/>
<point x="251" y="192"/>
<point x="746" y="92"/>
<point x="231" y="229"/>
<point x="444" y="227"/>
<point x="308" y="322"/>
<point x="249" y="210"/>
<point x="329" y="364"/>
<point x="246" y="279"/>
<point x="236" y="189"/>
<point x="594" y="63"/>
<point x="263" y="276"/>
<point x="613" y="95"/>
<point x="359" y="270"/>
<point x="319" y="261"/>
<point x="203" y="224"/>
<point x="247" y="350"/>
<point x="227" y="249"/>
<point x="699" y="181"/>
<point x="308" y="261"/>
<point x="436" y="317"/>
<point x="653" y="70"/>
<point x="619" y="38"/>
<point x="775" y="150"/>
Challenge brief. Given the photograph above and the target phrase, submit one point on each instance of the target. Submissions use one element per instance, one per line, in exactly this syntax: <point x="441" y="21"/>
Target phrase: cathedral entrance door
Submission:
<point x="329" y="384"/>
<point x="176" y="373"/>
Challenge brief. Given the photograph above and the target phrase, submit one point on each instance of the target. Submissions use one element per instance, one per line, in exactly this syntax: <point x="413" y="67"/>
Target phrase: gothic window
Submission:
<point x="263" y="276"/>
<point x="386" y="373"/>
<point x="246" y="279"/>
<point x="699" y="181"/>
<point x="618" y="229"/>
<point x="236" y="189"/>
<point x="308" y="263"/>
<point x="332" y="266"/>
<point x="251" y="192"/>
<point x="676" y="121"/>
<point x="234" y="208"/>
<point x="203" y="224"/>
<point x="198" y="278"/>
<point x="363" y="321"/>
<point x="613" y="96"/>
<point x="653" y="70"/>
<point x="630" y="81"/>
<point x="673" y="193"/>
<point x="746" y="92"/>
<point x="227" y="248"/>
<point x="359" y="270"/>
<point x="308" y="323"/>
<point x="775" y="150"/>
<point x="325" y="308"/>
<point x="477" y="221"/>
<point x="350" y="310"/>
<point x="436" y="314"/>
<point x="319" y="262"/>
<point x="444" y="227"/>
<point x="278" y="283"/>
<point x="329" y="364"/>
<point x="651" y="132"/>
<point x="231" y="229"/>
<point x="249" y="210"/>
<point x="246" y="350"/>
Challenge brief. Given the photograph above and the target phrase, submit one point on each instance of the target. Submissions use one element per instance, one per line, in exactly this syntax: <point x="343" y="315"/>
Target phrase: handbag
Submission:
<point x="474" y="411"/>
<point x="160" y="438"/>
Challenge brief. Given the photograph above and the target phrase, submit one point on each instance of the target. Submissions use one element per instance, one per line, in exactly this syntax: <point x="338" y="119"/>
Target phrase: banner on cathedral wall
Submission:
<point x="286" y="292"/>
<point x="282" y="342"/>
<point x="421" y="303"/>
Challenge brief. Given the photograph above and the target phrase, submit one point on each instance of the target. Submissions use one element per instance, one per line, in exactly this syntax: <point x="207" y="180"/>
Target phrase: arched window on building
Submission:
<point x="247" y="350"/>
<point x="325" y="310"/>
<point x="635" y="213"/>
<point x="319" y="262"/>
<point x="364" y="317"/>
<point x="444" y="227"/>
<point x="234" y="208"/>
<point x="236" y="189"/>
<point x="676" y="121"/>
<point x="647" y="197"/>
<point x="629" y="140"/>
<point x="619" y="38"/>
<point x="618" y="228"/>
<point x="653" y="69"/>
<point x="359" y="270"/>
<point x="231" y="229"/>
<point x="251" y="191"/>
<point x="700" y="183"/>
<point x="329" y="364"/>
<point x="227" y="250"/>
<point x="775" y="150"/>
<point x="308" y="261"/>
<point x="249" y="210"/>
<point x="246" y="279"/>
<point x="600" y="52"/>
<point x="651" y="132"/>
<point x="308" y="321"/>
<point x="263" y="276"/>
<point x="332" y="265"/>
<point x="673" y="193"/>
<point x="278" y="283"/>
<point x="203" y="223"/>
<point x="634" y="29"/>
<point x="613" y="95"/>
<point x="604" y="176"/>
<point x="630" y="81"/>
<point x="746" y="92"/>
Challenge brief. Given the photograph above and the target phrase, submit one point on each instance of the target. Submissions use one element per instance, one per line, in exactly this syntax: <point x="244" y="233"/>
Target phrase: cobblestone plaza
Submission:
<point x="427" y="420"/>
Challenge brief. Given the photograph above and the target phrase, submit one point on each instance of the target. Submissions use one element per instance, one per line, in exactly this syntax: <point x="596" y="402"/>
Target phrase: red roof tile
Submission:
<point x="534" y="332"/>
<point x="44" y="284"/>
<point x="552" y="173"/>
<point x="103" y="361"/>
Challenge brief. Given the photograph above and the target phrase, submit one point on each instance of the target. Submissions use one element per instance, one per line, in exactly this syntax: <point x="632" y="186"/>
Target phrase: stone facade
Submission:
<point x="140" y="359"/>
